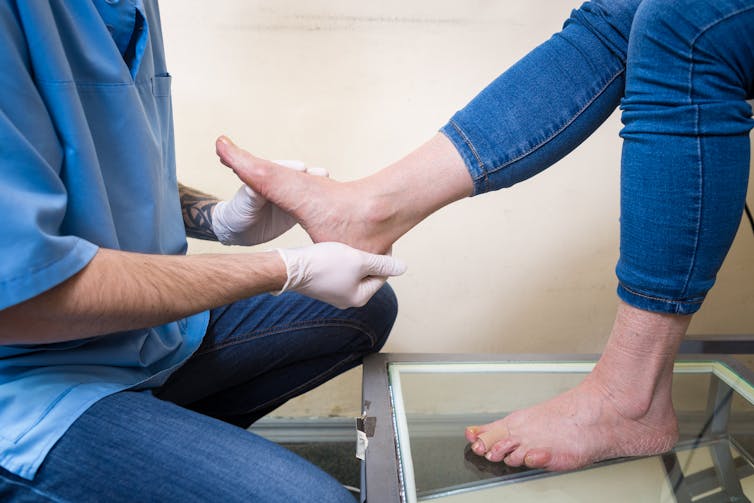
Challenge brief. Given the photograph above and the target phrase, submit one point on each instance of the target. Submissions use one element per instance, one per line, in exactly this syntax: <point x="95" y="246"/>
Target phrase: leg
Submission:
<point x="684" y="177"/>
<point x="622" y="408"/>
<point x="531" y="116"/>
<point x="134" y="447"/>
<point x="261" y="352"/>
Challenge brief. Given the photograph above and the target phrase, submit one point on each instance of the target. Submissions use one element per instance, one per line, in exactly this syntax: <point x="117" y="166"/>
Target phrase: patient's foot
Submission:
<point x="575" y="429"/>
<point x="371" y="213"/>
<point x="623" y="408"/>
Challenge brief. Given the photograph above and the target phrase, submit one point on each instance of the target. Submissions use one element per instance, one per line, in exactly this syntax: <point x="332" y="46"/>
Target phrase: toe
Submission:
<point x="240" y="161"/>
<point x="516" y="458"/>
<point x="493" y="435"/>
<point x="472" y="433"/>
<point x="227" y="151"/>
<point x="501" y="449"/>
<point x="538" y="458"/>
<point x="479" y="448"/>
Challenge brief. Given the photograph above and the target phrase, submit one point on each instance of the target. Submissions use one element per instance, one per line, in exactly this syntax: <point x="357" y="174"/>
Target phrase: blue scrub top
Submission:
<point x="86" y="161"/>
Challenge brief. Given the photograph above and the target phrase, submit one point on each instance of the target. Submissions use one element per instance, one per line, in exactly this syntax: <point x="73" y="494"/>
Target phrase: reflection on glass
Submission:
<point x="433" y="402"/>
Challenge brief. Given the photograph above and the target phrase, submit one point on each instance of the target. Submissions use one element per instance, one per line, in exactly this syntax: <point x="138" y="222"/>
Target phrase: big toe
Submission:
<point x="228" y="152"/>
<point x="260" y="174"/>
<point x="486" y="439"/>
<point x="472" y="433"/>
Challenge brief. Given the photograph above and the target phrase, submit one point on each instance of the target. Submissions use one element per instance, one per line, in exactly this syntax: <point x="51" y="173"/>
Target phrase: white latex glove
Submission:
<point x="336" y="273"/>
<point x="249" y="219"/>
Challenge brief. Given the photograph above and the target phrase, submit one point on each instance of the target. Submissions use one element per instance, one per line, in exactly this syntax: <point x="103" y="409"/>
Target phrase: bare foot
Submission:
<point x="371" y="213"/>
<point x="326" y="209"/>
<point x="623" y="408"/>
<point x="575" y="429"/>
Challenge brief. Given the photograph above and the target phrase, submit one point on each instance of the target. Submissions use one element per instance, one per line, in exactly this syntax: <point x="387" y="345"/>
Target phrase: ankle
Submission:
<point x="633" y="398"/>
<point x="636" y="369"/>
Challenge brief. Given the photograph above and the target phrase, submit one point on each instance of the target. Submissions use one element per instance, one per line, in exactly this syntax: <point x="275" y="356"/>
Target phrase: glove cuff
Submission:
<point x="291" y="271"/>
<point x="219" y="227"/>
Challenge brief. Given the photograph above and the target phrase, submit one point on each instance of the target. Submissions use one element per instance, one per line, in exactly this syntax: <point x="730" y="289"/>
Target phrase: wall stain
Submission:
<point x="304" y="22"/>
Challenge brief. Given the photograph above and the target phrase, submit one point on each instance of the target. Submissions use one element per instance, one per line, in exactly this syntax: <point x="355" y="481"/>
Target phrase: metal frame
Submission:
<point x="727" y="345"/>
<point x="380" y="471"/>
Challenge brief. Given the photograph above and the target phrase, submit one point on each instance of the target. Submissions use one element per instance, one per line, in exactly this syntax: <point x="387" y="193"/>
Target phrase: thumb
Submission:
<point x="384" y="265"/>
<point x="367" y="288"/>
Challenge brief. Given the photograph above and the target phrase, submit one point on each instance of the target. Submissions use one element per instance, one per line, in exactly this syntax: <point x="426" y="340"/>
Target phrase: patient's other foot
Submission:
<point x="623" y="408"/>
<point x="371" y="213"/>
<point x="575" y="429"/>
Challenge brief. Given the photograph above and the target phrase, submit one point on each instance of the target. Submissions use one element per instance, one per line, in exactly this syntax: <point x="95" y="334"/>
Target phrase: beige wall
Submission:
<point x="353" y="86"/>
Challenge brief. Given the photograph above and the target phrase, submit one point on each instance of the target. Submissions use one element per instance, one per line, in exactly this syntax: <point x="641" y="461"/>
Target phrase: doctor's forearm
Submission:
<point x="197" y="208"/>
<point x="123" y="291"/>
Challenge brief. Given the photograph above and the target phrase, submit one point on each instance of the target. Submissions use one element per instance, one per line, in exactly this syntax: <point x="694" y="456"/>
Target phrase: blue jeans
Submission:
<point x="175" y="443"/>
<point x="682" y="71"/>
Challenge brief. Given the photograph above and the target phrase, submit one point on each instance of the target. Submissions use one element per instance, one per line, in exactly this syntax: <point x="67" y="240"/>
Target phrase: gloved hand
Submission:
<point x="249" y="219"/>
<point x="336" y="273"/>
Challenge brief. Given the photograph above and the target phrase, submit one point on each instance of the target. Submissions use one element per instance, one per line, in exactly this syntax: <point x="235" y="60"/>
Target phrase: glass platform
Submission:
<point x="417" y="406"/>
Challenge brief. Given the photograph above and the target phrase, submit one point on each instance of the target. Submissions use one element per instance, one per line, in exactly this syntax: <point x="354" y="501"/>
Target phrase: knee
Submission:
<point x="682" y="26"/>
<point x="695" y="57"/>
<point x="662" y="34"/>
<point x="652" y="12"/>
<point x="379" y="314"/>
<point x="609" y="21"/>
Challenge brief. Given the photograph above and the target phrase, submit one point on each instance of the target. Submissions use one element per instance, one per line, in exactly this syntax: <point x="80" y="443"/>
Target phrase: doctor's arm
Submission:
<point x="120" y="290"/>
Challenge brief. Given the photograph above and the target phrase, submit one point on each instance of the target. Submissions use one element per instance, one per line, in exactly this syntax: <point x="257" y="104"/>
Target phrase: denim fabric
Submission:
<point x="549" y="102"/>
<point x="682" y="70"/>
<point x="686" y="148"/>
<point x="151" y="446"/>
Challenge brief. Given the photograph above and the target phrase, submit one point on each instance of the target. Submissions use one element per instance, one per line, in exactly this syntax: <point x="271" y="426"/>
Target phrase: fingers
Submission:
<point x="317" y="171"/>
<point x="236" y="158"/>
<point x="303" y="168"/>
<point x="295" y="165"/>
<point x="367" y="288"/>
<point x="383" y="265"/>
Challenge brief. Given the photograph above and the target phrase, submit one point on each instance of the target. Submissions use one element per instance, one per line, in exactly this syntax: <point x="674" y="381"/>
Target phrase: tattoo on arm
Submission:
<point x="197" y="212"/>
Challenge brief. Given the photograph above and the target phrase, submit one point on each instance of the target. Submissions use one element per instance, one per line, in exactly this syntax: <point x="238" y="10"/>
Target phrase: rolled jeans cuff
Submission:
<point x="466" y="149"/>
<point x="656" y="304"/>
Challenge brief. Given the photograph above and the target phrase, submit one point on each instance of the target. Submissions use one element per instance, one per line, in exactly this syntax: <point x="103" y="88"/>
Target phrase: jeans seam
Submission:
<point x="698" y="230"/>
<point x="332" y="322"/>
<point x="294" y="392"/>
<point x="36" y="491"/>
<point x="714" y="23"/>
<point x="652" y="297"/>
<point x="473" y="149"/>
<point x="690" y="86"/>
<point x="565" y="126"/>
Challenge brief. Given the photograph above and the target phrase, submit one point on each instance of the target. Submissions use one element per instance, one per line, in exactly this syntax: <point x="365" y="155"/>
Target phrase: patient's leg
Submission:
<point x="370" y="213"/>
<point x="623" y="408"/>
<point x="532" y="115"/>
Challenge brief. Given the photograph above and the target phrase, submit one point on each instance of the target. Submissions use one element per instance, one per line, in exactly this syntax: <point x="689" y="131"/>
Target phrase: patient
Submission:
<point x="682" y="71"/>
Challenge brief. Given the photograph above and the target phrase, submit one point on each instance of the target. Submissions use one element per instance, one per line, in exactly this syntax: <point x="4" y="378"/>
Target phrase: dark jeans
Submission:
<point x="175" y="443"/>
